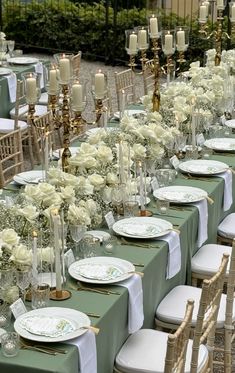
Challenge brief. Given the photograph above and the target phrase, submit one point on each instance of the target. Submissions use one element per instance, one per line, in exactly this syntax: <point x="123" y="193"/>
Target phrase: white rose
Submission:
<point x="107" y="195"/>
<point x="32" y="193"/>
<point x="87" y="150"/>
<point x="9" y="238"/>
<point x="69" y="179"/>
<point x="30" y="213"/>
<point x="54" y="200"/>
<point x="83" y="161"/>
<point x="97" y="181"/>
<point x="21" y="255"/>
<point x="105" y="154"/>
<point x="46" y="189"/>
<point x="68" y="194"/>
<point x="91" y="206"/>
<point x="12" y="294"/>
<point x="111" y="178"/>
<point x="139" y="151"/>
<point x="78" y="215"/>
<point x="97" y="137"/>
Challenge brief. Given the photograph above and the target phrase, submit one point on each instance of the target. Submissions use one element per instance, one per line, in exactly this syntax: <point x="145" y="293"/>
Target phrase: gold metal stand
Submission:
<point x="99" y="109"/>
<point x="66" y="128"/>
<point x="60" y="294"/>
<point x="181" y="61"/>
<point x="132" y="63"/>
<point x="156" y="70"/>
<point x="78" y="124"/>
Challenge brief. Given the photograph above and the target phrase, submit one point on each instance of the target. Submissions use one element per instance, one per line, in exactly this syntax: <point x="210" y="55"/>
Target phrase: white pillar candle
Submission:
<point x="233" y="12"/>
<point x="220" y="3"/>
<point x="99" y="85"/>
<point x="31" y="90"/>
<point x="142" y="39"/>
<point x="203" y="13"/>
<point x="53" y="83"/>
<point x="56" y="225"/>
<point x="132" y="43"/>
<point x="153" y="25"/>
<point x="168" y="44"/>
<point x="64" y="67"/>
<point x="180" y="40"/>
<point x="77" y="95"/>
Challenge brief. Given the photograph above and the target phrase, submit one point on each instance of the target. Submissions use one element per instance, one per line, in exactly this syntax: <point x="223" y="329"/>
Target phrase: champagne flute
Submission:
<point x="11" y="47"/>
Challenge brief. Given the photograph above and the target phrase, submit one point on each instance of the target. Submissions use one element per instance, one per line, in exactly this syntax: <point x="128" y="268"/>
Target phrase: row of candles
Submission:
<point x="63" y="75"/>
<point x="204" y="9"/>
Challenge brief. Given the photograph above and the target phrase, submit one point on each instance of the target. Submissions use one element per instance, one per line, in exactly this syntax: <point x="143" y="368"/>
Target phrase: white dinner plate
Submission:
<point x="101" y="235"/>
<point x="230" y="123"/>
<point x="221" y="144"/>
<point x="130" y="113"/>
<point x="142" y="227"/>
<point x="73" y="149"/>
<point x="101" y="270"/>
<point x="203" y="167"/>
<point x="22" y="60"/>
<point x="35" y="325"/>
<point x="137" y="199"/>
<point x="29" y="177"/>
<point x="180" y="194"/>
<point x="4" y="71"/>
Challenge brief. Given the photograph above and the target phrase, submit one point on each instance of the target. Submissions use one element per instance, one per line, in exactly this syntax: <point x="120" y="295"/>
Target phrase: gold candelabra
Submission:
<point x="156" y="71"/>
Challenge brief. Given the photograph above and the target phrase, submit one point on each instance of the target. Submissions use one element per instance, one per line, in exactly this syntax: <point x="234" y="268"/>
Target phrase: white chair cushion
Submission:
<point x="145" y="351"/>
<point x="23" y="110"/>
<point x="207" y="259"/>
<point x="227" y="227"/>
<point x="43" y="100"/>
<point x="172" y="307"/>
<point x="7" y="125"/>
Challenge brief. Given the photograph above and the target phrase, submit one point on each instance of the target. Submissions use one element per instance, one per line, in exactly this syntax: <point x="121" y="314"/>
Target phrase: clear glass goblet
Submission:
<point x="23" y="280"/>
<point x="77" y="232"/>
<point x="11" y="47"/>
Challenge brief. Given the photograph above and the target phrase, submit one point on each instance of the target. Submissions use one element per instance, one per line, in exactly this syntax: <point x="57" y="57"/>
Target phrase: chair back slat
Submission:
<point x="177" y="343"/>
<point x="11" y="157"/>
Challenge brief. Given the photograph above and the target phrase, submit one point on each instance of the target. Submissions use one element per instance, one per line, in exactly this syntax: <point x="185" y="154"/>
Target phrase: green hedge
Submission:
<point x="72" y="26"/>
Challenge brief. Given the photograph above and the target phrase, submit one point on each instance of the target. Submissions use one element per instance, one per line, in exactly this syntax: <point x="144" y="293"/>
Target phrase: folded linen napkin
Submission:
<point x="203" y="221"/>
<point x="135" y="308"/>
<point x="174" y="254"/>
<point x="11" y="80"/>
<point x="39" y="69"/>
<point x="228" y="194"/>
<point x="86" y="345"/>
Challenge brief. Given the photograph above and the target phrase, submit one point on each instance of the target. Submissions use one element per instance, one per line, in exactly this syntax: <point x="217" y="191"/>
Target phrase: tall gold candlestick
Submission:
<point x="66" y="128"/>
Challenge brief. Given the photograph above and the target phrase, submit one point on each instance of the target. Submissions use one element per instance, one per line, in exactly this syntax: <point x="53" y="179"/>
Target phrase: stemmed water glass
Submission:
<point x="23" y="280"/>
<point x="77" y="232"/>
<point x="11" y="47"/>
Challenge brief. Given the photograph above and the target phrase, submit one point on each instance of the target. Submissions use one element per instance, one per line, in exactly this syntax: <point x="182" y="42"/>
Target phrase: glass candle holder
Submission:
<point x="32" y="87"/>
<point x="142" y="37"/>
<point x="99" y="84"/>
<point x="182" y="38"/>
<point x="168" y="42"/>
<point x="154" y="26"/>
<point x="10" y="344"/>
<point x="64" y="62"/>
<point x="131" y="42"/>
<point x="53" y="80"/>
<point x="78" y="95"/>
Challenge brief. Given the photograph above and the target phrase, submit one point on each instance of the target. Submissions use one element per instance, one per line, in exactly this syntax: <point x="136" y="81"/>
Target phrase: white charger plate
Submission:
<point x="73" y="149"/>
<point x="142" y="227"/>
<point x="22" y="60"/>
<point x="101" y="270"/>
<point x="203" y="167"/>
<point x="101" y="235"/>
<point x="130" y="113"/>
<point x="180" y="194"/>
<point x="76" y="318"/>
<point x="29" y="177"/>
<point x="221" y="144"/>
<point x="4" y="71"/>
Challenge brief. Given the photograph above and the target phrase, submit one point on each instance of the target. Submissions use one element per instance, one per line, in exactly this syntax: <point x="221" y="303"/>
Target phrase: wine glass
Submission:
<point x="23" y="279"/>
<point x="77" y="232"/>
<point x="11" y="47"/>
<point x="117" y="196"/>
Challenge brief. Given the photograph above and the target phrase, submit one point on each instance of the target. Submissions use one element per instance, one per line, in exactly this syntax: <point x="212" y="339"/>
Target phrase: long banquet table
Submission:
<point x="113" y="309"/>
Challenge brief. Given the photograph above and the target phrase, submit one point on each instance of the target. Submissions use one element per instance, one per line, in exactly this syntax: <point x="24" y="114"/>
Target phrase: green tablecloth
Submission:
<point x="6" y="105"/>
<point x="113" y="309"/>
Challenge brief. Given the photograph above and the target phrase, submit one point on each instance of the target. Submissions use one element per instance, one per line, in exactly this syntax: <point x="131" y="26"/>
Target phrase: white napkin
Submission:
<point x="135" y="308"/>
<point x="39" y="70"/>
<point x="228" y="194"/>
<point x="11" y="80"/>
<point x="203" y="221"/>
<point x="86" y="345"/>
<point x="174" y="254"/>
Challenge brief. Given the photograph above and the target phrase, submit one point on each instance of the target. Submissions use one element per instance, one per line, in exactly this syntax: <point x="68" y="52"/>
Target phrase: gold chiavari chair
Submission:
<point x="148" y="77"/>
<point x="204" y="264"/>
<point x="169" y="349"/>
<point x="42" y="126"/>
<point x="11" y="156"/>
<point x="124" y="81"/>
<point x="209" y="311"/>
